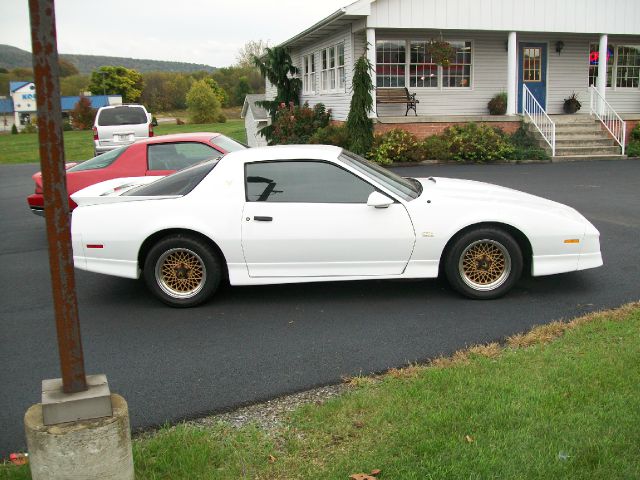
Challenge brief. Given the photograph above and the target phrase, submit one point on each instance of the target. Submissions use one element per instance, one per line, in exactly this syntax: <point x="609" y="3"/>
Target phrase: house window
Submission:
<point x="340" y="75"/>
<point x="390" y="63"/>
<point x="333" y="71"/>
<point x="628" y="66"/>
<point x="309" y="73"/>
<point x="423" y="72"/>
<point x="458" y="73"/>
<point x="532" y="64"/>
<point x="594" y="54"/>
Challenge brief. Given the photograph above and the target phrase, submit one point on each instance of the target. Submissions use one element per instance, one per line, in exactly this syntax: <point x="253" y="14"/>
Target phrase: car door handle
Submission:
<point x="263" y="219"/>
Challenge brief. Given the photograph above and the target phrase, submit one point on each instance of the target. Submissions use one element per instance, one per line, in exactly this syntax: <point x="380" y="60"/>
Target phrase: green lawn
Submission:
<point x="539" y="408"/>
<point x="78" y="145"/>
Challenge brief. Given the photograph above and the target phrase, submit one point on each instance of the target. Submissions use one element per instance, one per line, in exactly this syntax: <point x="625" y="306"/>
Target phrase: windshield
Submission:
<point x="180" y="183"/>
<point x="101" y="161"/>
<point x="227" y="144"/>
<point x="403" y="187"/>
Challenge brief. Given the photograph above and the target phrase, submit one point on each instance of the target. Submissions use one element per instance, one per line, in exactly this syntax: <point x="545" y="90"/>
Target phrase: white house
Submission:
<point x="542" y="49"/>
<point x="255" y="117"/>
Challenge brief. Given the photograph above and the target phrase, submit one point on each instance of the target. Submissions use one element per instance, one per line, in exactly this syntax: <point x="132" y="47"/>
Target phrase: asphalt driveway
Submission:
<point x="253" y="343"/>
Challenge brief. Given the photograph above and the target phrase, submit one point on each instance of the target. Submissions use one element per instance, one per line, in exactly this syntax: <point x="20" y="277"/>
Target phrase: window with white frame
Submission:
<point x="341" y="71"/>
<point x="395" y="69"/>
<point x="594" y="60"/>
<point x="423" y="71"/>
<point x="458" y="73"/>
<point x="309" y="73"/>
<point x="390" y="63"/>
<point x="332" y="74"/>
<point x="628" y="66"/>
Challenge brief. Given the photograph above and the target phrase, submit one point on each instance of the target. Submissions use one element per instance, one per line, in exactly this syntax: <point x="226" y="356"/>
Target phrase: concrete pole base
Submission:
<point x="87" y="449"/>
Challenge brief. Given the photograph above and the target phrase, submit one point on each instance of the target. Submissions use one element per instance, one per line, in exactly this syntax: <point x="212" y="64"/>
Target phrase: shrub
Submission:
<point x="202" y="103"/>
<point x="154" y="121"/>
<point x="498" y="104"/>
<point x="337" y="135"/>
<point x="396" y="145"/>
<point x="633" y="149"/>
<point x="66" y="126"/>
<point x="297" y="124"/>
<point x="435" y="147"/>
<point x="82" y="115"/>
<point x="477" y="143"/>
<point x="29" y="128"/>
<point x="526" y="147"/>
<point x="14" y="129"/>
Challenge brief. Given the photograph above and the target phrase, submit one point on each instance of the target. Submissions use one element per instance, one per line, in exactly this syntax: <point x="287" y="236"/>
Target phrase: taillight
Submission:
<point x="95" y="133"/>
<point x="39" y="189"/>
<point x="151" y="129"/>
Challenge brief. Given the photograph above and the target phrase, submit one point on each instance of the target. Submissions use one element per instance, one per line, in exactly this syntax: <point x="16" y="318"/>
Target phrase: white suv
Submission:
<point x="120" y="125"/>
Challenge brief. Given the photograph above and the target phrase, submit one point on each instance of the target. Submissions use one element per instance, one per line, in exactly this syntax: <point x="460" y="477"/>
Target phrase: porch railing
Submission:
<point x="532" y="109"/>
<point x="608" y="117"/>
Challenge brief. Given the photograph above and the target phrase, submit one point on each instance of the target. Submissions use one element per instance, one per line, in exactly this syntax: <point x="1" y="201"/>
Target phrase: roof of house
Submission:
<point x="13" y="86"/>
<point x="6" y="105"/>
<point x="622" y="17"/>
<point x="97" y="101"/>
<point x="259" y="113"/>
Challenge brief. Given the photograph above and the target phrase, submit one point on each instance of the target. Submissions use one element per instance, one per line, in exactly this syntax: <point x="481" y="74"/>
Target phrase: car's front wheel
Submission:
<point x="182" y="271"/>
<point x="484" y="263"/>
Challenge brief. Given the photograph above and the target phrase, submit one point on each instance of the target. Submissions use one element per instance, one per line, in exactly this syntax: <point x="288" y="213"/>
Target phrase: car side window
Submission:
<point x="303" y="181"/>
<point x="176" y="156"/>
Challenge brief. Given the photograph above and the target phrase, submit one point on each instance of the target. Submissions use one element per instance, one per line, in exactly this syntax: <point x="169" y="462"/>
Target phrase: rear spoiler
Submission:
<point x="110" y="191"/>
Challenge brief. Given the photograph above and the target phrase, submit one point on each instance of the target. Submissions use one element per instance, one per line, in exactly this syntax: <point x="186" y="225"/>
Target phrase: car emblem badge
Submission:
<point x="428" y="234"/>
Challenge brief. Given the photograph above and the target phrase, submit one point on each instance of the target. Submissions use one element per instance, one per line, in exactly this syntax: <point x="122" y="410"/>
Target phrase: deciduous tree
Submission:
<point x="203" y="105"/>
<point x="117" y="80"/>
<point x="82" y="115"/>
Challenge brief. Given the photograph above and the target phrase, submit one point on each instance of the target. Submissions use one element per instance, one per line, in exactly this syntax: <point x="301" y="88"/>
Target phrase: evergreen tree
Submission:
<point x="359" y="125"/>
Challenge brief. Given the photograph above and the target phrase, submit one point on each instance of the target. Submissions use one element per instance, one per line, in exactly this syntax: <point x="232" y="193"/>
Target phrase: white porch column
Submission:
<point x="602" y="69"/>
<point x="512" y="74"/>
<point x="371" y="56"/>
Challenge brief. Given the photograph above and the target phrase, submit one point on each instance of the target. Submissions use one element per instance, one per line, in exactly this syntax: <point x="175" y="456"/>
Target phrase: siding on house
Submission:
<point x="338" y="102"/>
<point x="573" y="16"/>
<point x="254" y="139"/>
<point x="270" y="90"/>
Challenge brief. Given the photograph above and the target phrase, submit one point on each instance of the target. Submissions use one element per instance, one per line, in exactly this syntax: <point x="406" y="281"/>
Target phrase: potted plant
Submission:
<point x="498" y="104"/>
<point x="441" y="52"/>
<point x="571" y="103"/>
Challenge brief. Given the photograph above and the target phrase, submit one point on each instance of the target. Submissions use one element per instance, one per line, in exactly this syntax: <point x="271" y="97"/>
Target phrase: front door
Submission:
<point x="532" y="72"/>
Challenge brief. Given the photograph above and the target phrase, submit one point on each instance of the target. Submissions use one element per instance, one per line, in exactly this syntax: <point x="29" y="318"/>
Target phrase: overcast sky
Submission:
<point x="198" y="31"/>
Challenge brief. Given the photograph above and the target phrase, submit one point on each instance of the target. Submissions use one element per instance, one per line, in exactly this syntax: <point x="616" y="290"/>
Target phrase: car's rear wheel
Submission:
<point x="182" y="271"/>
<point x="484" y="263"/>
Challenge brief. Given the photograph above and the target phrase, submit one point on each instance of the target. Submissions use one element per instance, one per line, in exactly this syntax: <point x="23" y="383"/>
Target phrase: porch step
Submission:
<point x="587" y="151"/>
<point x="583" y="141"/>
<point x="578" y="158"/>
<point x="578" y="128"/>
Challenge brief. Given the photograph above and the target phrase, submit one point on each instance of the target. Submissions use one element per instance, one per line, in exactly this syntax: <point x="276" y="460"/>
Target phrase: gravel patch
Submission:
<point x="269" y="415"/>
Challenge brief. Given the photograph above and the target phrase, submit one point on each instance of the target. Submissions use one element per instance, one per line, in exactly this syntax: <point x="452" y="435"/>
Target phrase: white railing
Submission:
<point x="532" y="109"/>
<point x="608" y="116"/>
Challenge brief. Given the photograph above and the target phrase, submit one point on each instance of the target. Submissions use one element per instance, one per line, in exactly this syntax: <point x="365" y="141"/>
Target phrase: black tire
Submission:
<point x="182" y="271"/>
<point x="483" y="263"/>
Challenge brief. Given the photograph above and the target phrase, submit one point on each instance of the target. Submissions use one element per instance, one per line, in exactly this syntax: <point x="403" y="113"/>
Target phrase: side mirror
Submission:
<point x="378" y="200"/>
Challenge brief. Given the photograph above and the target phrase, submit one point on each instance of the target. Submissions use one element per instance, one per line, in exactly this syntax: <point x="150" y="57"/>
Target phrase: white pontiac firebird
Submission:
<point x="291" y="214"/>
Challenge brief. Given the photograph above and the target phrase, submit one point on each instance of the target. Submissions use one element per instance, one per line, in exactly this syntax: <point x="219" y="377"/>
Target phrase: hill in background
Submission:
<point x="12" y="57"/>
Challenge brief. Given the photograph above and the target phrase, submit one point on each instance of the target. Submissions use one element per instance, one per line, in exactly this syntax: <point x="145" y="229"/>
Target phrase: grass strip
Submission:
<point x="78" y="145"/>
<point x="558" y="402"/>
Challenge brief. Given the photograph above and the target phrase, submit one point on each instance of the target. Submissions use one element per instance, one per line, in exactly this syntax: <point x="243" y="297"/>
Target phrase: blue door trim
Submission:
<point x="538" y="88"/>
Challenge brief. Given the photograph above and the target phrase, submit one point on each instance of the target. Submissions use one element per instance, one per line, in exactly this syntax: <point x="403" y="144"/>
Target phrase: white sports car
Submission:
<point x="292" y="214"/>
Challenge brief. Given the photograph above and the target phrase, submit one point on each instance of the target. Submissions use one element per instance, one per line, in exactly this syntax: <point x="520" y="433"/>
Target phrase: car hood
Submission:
<point x="473" y="192"/>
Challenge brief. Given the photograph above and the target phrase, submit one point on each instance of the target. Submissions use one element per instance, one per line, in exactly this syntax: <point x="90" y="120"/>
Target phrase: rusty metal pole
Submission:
<point x="56" y="206"/>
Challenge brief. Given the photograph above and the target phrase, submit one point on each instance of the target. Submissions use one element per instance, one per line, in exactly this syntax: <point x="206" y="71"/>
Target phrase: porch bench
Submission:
<point x="397" y="95"/>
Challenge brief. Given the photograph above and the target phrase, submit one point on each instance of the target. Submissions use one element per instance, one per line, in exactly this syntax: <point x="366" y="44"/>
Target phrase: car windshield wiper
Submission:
<point x="417" y="184"/>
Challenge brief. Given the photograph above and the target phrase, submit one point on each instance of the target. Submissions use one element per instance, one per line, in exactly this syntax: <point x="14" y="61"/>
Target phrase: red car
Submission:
<point x="154" y="156"/>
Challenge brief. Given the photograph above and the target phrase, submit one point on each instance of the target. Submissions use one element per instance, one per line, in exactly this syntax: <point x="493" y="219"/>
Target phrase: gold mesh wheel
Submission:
<point x="484" y="265"/>
<point x="180" y="273"/>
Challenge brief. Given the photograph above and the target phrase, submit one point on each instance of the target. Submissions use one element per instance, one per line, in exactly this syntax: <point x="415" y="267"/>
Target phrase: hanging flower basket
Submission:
<point x="441" y="52"/>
